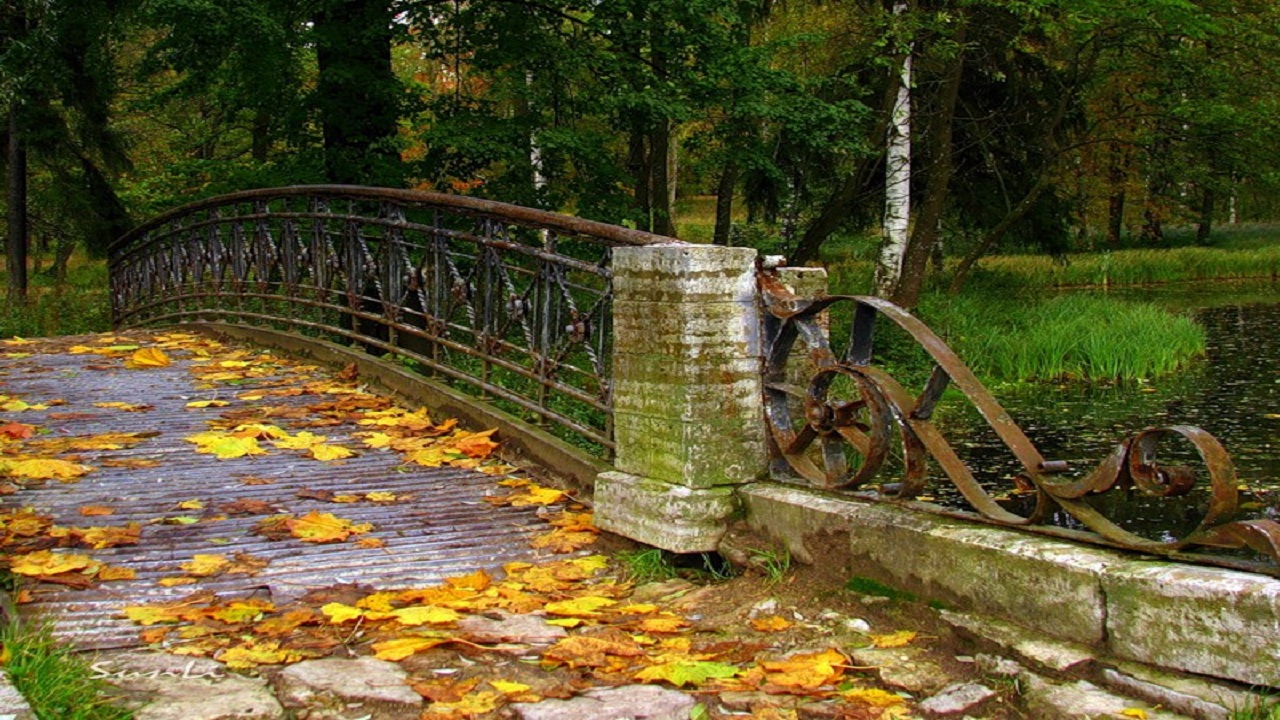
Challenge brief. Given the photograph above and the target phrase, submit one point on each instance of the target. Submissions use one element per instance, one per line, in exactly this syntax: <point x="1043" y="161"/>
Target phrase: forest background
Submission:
<point x="944" y="130"/>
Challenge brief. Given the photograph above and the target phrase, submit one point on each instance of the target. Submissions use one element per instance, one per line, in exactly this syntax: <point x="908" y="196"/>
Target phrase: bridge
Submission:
<point x="685" y="387"/>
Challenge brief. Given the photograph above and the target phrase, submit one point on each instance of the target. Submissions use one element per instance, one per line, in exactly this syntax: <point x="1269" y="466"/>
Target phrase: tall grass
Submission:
<point x="1070" y="336"/>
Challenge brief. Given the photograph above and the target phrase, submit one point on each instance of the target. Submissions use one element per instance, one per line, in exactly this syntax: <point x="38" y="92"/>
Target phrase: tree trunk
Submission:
<point x="993" y="236"/>
<point x="261" y="136"/>
<point x="1116" y="200"/>
<point x="924" y="236"/>
<point x="897" y="184"/>
<point x="660" y="181"/>
<point x="638" y="163"/>
<point x="357" y="94"/>
<point x="724" y="203"/>
<point x="16" y="257"/>
<point x="1206" y="217"/>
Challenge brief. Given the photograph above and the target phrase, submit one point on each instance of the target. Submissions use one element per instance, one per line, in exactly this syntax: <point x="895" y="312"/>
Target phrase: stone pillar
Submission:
<point x="688" y="419"/>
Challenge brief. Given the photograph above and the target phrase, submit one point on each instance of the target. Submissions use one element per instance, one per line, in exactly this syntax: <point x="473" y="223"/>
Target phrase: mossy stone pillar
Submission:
<point x="688" y="419"/>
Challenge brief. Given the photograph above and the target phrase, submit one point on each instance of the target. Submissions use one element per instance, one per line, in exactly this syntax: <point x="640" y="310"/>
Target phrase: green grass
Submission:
<point x="56" y="681"/>
<point x="1131" y="267"/>
<point x="774" y="563"/>
<point x="80" y="305"/>
<point x="1074" y="336"/>
<point x="645" y="566"/>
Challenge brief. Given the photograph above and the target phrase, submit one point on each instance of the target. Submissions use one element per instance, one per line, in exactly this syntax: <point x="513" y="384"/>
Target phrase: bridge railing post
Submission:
<point x="688" y="419"/>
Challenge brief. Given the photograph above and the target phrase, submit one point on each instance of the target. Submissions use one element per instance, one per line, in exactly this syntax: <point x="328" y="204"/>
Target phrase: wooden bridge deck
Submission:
<point x="72" y="393"/>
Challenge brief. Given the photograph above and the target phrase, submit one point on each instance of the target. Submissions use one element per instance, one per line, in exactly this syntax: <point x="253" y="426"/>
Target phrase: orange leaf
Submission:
<point x="96" y="510"/>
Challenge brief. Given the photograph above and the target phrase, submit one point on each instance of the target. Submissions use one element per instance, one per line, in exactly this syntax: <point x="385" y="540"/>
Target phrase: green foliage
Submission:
<point x="54" y="679"/>
<point x="1259" y="709"/>
<point x="80" y="305"/>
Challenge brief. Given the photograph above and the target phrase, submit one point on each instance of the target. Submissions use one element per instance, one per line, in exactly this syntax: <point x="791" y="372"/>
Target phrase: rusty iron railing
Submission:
<point x="835" y="419"/>
<point x="509" y="302"/>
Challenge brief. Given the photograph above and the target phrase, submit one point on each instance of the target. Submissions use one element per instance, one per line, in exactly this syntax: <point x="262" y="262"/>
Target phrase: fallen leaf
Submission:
<point x="149" y="357"/>
<point x="425" y="615"/>
<point x="17" y="430"/>
<point x="772" y="623"/>
<point x="197" y="404"/>
<point x="894" y="639"/>
<point x="1138" y="713"/>
<point x="318" y="527"/>
<point x="686" y="672"/>
<point x="96" y="511"/>
<point x="114" y="572"/>
<point x="579" y="607"/>
<point x="805" y="670"/>
<point x="403" y="647"/>
<point x="42" y="563"/>
<point x="45" y="469"/>
<point x="205" y="565"/>
<point x="874" y="697"/>
<point x="590" y="651"/>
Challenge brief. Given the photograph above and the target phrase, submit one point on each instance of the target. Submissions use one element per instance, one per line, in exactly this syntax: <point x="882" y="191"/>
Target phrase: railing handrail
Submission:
<point x="542" y="219"/>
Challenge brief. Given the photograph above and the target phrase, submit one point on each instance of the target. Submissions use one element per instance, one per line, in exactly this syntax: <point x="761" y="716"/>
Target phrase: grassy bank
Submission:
<point x="1130" y="267"/>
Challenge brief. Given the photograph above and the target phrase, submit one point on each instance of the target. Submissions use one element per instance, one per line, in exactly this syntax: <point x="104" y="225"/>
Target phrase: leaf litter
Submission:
<point x="607" y="638"/>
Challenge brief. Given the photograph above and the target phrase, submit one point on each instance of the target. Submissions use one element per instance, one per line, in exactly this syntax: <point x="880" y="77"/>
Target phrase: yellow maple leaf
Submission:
<point x="428" y="457"/>
<point x="240" y="611"/>
<point x="318" y="527"/>
<point x="585" y="606"/>
<point x="806" y="670"/>
<point x="772" y="623"/>
<point x="535" y="494"/>
<point x="893" y="639"/>
<point x="46" y="469"/>
<point x="425" y="615"/>
<point x="376" y="440"/>
<point x="192" y="504"/>
<point x="115" y="572"/>
<point x="403" y="647"/>
<point x="96" y="510"/>
<point x="301" y="441"/>
<point x="224" y="446"/>
<point x="371" y="543"/>
<point x="148" y="615"/>
<point x="339" y="613"/>
<point x="197" y="404"/>
<point x="1138" y="713"/>
<point x="509" y="688"/>
<point x="326" y="452"/>
<point x="255" y="654"/>
<point x="873" y="697"/>
<point x="380" y="497"/>
<point x="43" y="563"/>
<point x="205" y="565"/>
<point x="149" y="357"/>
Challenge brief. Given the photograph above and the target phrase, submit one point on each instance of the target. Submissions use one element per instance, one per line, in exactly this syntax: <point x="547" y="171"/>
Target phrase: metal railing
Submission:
<point x="835" y="418"/>
<point x="511" y="303"/>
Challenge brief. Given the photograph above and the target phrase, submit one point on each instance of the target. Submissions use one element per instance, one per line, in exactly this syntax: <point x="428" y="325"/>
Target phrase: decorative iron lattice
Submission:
<point x="509" y="302"/>
<point x="837" y="421"/>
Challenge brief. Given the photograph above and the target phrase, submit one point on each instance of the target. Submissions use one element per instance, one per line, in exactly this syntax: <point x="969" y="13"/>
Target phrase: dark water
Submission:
<point x="1234" y="393"/>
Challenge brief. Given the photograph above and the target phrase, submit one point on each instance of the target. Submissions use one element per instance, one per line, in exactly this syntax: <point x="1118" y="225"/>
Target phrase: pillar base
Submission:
<point x="673" y="517"/>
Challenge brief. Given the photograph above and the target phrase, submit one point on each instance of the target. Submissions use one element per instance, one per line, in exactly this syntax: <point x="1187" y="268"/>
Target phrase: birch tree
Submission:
<point x="897" y="188"/>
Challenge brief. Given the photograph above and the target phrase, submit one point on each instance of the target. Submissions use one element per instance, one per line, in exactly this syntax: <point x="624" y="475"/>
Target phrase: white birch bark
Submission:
<point x="897" y="189"/>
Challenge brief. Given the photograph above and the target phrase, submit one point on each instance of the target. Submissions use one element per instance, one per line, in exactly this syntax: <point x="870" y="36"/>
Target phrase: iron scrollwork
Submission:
<point x="833" y="418"/>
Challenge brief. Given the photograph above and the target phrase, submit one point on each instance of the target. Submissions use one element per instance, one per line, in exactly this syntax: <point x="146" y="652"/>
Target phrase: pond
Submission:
<point x="1233" y="393"/>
